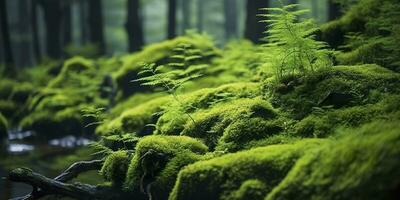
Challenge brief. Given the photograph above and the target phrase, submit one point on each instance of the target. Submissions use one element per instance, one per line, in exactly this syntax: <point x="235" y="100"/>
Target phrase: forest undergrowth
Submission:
<point x="313" y="113"/>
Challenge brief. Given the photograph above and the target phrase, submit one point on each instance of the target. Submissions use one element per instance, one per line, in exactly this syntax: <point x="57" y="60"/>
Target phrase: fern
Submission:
<point x="185" y="65"/>
<point x="293" y="42"/>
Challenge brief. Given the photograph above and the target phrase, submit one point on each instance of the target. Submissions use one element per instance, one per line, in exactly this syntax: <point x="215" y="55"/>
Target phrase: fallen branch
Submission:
<point x="43" y="186"/>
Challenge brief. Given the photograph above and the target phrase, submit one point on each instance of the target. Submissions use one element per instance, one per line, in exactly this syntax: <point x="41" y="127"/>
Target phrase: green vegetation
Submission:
<point x="187" y="119"/>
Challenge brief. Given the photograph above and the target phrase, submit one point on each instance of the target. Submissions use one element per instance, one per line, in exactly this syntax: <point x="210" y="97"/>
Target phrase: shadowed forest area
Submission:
<point x="200" y="99"/>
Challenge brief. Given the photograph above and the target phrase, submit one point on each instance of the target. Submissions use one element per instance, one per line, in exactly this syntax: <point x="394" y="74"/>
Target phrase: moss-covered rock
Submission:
<point x="115" y="167"/>
<point x="232" y="175"/>
<point x="134" y="120"/>
<point x="157" y="53"/>
<point x="322" y="123"/>
<point x="157" y="161"/>
<point x="367" y="33"/>
<point x="337" y="87"/>
<point x="120" y="142"/>
<point x="363" y="165"/>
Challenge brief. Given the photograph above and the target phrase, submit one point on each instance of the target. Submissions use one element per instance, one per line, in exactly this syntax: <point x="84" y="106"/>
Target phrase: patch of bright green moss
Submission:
<point x="158" y="159"/>
<point x="231" y="175"/>
<point x="115" y="167"/>
<point x="337" y="87"/>
<point x="362" y="165"/>
<point x="156" y="53"/>
<point x="135" y="120"/>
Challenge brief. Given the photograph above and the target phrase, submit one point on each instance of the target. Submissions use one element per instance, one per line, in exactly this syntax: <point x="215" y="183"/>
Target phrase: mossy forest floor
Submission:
<point x="236" y="132"/>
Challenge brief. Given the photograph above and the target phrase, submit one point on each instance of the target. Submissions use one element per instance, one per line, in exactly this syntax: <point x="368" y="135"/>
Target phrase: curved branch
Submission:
<point x="43" y="186"/>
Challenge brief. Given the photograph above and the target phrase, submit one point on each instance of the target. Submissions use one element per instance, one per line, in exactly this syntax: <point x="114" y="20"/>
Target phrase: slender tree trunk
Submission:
<point x="83" y="20"/>
<point x="200" y="14"/>
<point x="67" y="23"/>
<point x="35" y="33"/>
<point x="8" y="56"/>
<point x="95" y="20"/>
<point x="314" y="7"/>
<point x="171" y="19"/>
<point x="186" y="15"/>
<point x="231" y="21"/>
<point x="254" y="30"/>
<point x="334" y="11"/>
<point x="52" y="10"/>
<point x="134" y="26"/>
<point x="24" y="44"/>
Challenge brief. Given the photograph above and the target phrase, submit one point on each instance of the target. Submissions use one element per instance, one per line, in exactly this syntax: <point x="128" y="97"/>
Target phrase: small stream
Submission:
<point x="23" y="144"/>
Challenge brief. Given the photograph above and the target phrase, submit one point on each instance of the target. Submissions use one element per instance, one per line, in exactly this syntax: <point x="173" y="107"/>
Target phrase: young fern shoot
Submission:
<point x="184" y="66"/>
<point x="292" y="42"/>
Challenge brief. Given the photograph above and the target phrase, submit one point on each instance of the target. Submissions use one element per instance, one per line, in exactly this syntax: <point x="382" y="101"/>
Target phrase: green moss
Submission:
<point x="338" y="87"/>
<point x="362" y="165"/>
<point x="118" y="142"/>
<point x="50" y="124"/>
<point x="71" y="67"/>
<point x="218" y="178"/>
<point x="323" y="123"/>
<point x="250" y="189"/>
<point x="173" y="121"/>
<point x="134" y="120"/>
<point x="115" y="167"/>
<point x="3" y="128"/>
<point x="158" y="159"/>
<point x="156" y="53"/>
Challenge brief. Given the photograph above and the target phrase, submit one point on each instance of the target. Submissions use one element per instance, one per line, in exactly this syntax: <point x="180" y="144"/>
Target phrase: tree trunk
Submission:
<point x="314" y="8"/>
<point x="35" y="33"/>
<point x="8" y="56"/>
<point x="134" y="26"/>
<point x="200" y="14"/>
<point x="23" y="44"/>
<point x="95" y="20"/>
<point x="231" y="21"/>
<point x="52" y="10"/>
<point x="83" y="20"/>
<point x="334" y="11"/>
<point x="254" y="30"/>
<point x="171" y="19"/>
<point x="186" y="15"/>
<point x="67" y="23"/>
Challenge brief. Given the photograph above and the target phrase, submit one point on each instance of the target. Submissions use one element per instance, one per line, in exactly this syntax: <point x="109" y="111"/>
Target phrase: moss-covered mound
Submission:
<point x="336" y="87"/>
<point x="359" y="165"/>
<point x="157" y="161"/>
<point x="368" y="33"/>
<point x="57" y="109"/>
<point x="159" y="54"/>
<point x="363" y="165"/>
<point x="231" y="176"/>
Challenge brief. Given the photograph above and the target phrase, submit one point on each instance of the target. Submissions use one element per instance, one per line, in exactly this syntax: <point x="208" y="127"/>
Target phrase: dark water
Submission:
<point x="24" y="145"/>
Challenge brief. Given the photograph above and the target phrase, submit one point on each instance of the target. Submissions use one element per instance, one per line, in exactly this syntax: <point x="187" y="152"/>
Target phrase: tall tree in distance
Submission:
<point x="314" y="8"/>
<point x="334" y="10"/>
<point x="254" y="30"/>
<point x="23" y="44"/>
<point x="171" y="19"/>
<point x="83" y="20"/>
<point x="95" y="19"/>
<point x="35" y="32"/>
<point x="8" y="56"/>
<point x="67" y="23"/>
<point x="231" y="18"/>
<point x="134" y="26"/>
<point x="52" y="19"/>
<point x="200" y="14"/>
<point x="186" y="15"/>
